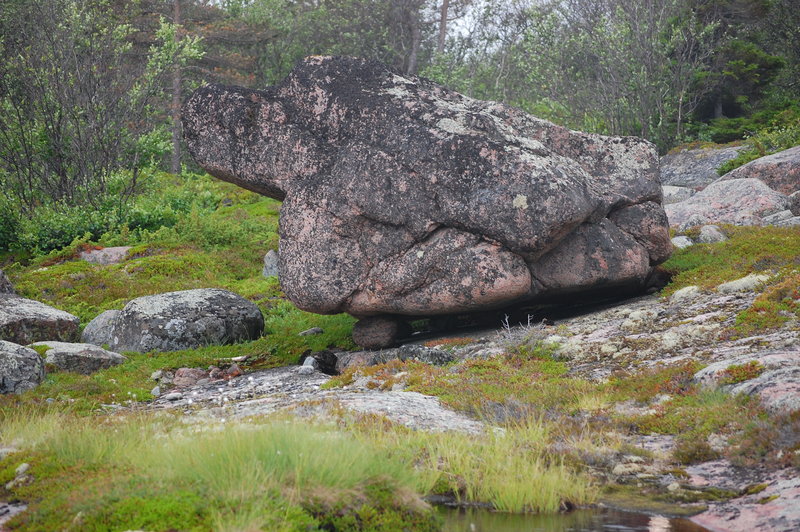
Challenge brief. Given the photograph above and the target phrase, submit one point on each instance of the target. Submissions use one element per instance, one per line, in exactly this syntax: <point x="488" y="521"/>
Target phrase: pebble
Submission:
<point x="311" y="332"/>
<point x="174" y="396"/>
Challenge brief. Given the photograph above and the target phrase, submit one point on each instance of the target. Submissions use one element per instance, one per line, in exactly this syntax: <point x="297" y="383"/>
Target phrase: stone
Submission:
<point x="156" y="391"/>
<point x="21" y="368"/>
<point x="186" y="320"/>
<point x="271" y="264"/>
<point x="735" y="201"/>
<point x="794" y="203"/>
<point x="676" y="194"/>
<point x="778" y="217"/>
<point x="24" y="321"/>
<point x="427" y="355"/>
<point x="79" y="358"/>
<point x="745" y="284"/>
<point x="105" y="256"/>
<point x="98" y="331"/>
<point x="794" y="221"/>
<point x="695" y="168"/>
<point x="685" y="293"/>
<point x="711" y="234"/>
<point x="5" y="285"/>
<point x="377" y="331"/>
<point x="185" y="377"/>
<point x="681" y="242"/>
<point x="313" y="331"/>
<point x="324" y="361"/>
<point x="403" y="198"/>
<point x="779" y="171"/>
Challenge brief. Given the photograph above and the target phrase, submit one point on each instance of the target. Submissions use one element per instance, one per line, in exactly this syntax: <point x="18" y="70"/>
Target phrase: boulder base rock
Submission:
<point x="21" y="368"/>
<point x="779" y="171"/>
<point x="185" y="320"/>
<point x="24" y="321"/>
<point x="401" y="197"/>
<point x="79" y="358"/>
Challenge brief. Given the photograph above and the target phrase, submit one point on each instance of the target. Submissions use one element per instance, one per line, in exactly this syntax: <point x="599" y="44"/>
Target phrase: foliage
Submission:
<point x="737" y="373"/>
<point x="783" y="133"/>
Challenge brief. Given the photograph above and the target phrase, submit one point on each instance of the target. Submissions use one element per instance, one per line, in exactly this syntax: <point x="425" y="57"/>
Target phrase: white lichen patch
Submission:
<point x="451" y="126"/>
<point x="520" y="202"/>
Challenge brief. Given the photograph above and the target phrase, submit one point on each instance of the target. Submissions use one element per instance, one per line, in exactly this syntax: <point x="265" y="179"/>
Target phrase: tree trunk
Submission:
<point x="718" y="107"/>
<point x="175" y="166"/>
<point x="416" y="40"/>
<point x="442" y="27"/>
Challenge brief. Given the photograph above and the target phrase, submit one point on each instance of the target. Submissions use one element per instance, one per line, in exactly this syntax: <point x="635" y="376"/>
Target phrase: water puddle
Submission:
<point x="590" y="520"/>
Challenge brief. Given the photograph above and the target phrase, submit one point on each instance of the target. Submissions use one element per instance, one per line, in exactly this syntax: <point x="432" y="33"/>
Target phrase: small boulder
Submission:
<point x="695" y="168"/>
<point x="186" y="320"/>
<point x="779" y="171"/>
<point x="185" y="377"/>
<point x="98" y="331"/>
<point x="377" y="332"/>
<point x="735" y="201"/>
<point x="5" y="285"/>
<point x="794" y="203"/>
<point x="271" y="264"/>
<point x="711" y="234"/>
<point x="24" y="321"/>
<point x="778" y="217"/>
<point x="427" y="355"/>
<point x="21" y="368"/>
<point x="681" y="242"/>
<point x="79" y="358"/>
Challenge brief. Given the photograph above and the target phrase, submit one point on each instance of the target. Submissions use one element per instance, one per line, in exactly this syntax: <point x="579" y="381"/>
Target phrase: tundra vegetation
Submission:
<point x="86" y="133"/>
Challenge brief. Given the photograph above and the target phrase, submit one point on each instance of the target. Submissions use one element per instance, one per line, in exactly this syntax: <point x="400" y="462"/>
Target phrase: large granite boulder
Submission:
<point x="24" y="321"/>
<point x="185" y="320"/>
<point x="695" y="168"/>
<point x="403" y="198"/>
<point x="21" y="368"/>
<point x="780" y="171"/>
<point x="79" y="358"/>
<point x="734" y="201"/>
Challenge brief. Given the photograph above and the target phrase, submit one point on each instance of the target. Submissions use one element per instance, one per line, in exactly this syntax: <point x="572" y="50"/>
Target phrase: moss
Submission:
<point x="647" y="500"/>
<point x="736" y="373"/>
<point x="765" y="500"/>
<point x="754" y="488"/>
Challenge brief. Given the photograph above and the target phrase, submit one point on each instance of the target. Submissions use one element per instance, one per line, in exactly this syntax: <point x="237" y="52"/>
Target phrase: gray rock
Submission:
<point x="711" y="234"/>
<point x="271" y="264"/>
<point x="451" y="205"/>
<point x="105" y="256"/>
<point x="186" y="320"/>
<point x="676" y="194"/>
<point x="21" y="368"/>
<point x="735" y="201"/>
<point x="156" y="391"/>
<point x="313" y="331"/>
<point x="681" y="242"/>
<point x="745" y="284"/>
<point x="685" y="293"/>
<point x="5" y="285"/>
<point x="427" y="355"/>
<point x="794" y="221"/>
<point x="98" y="331"/>
<point x="24" y="321"/>
<point x="794" y="203"/>
<point x="185" y="377"/>
<point x="79" y="358"/>
<point x="695" y="168"/>
<point x="778" y="217"/>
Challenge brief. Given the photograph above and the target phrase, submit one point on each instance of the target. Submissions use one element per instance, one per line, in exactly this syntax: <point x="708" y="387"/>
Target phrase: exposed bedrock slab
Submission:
<point x="780" y="171"/>
<point x="185" y="320"/>
<point x="695" y="168"/>
<point x="401" y="197"/>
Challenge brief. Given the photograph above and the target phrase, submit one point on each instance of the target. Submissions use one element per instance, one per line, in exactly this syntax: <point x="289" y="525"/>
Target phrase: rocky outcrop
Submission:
<point x="185" y="320"/>
<point x="98" y="331"/>
<point x="695" y="168"/>
<point x="779" y="171"/>
<point x="79" y="358"/>
<point x="271" y="266"/>
<point x="403" y="198"/>
<point x="735" y="201"/>
<point x="5" y="285"/>
<point x="21" y="368"/>
<point x="105" y="256"/>
<point x="24" y="321"/>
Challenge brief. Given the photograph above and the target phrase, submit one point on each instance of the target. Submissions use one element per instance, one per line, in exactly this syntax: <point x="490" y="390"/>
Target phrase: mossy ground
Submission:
<point x="552" y="426"/>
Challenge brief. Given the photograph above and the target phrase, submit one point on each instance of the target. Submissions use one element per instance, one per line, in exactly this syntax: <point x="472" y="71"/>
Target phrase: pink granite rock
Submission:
<point x="779" y="171"/>
<point x="734" y="201"/>
<point x="404" y="198"/>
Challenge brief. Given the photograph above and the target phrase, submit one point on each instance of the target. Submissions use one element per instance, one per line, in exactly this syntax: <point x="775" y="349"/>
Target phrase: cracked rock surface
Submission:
<point x="401" y="197"/>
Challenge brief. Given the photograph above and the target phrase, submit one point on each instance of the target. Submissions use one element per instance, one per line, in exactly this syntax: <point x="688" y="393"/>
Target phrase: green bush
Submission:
<point x="9" y="225"/>
<point x="784" y="133"/>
